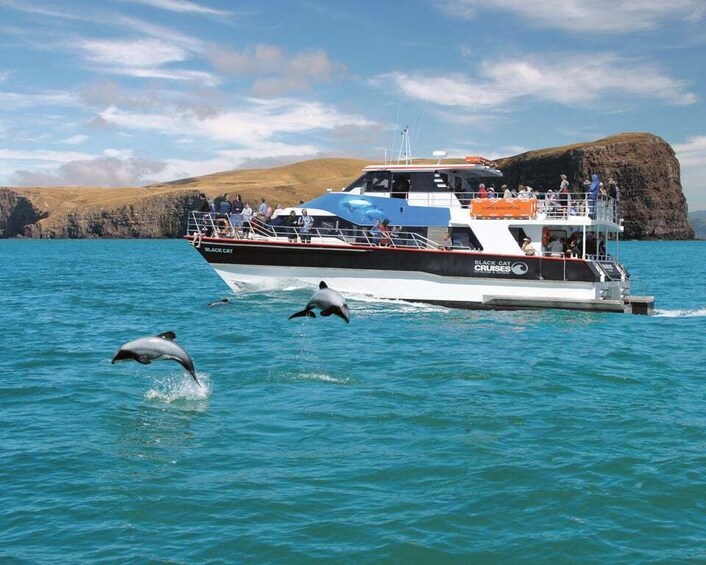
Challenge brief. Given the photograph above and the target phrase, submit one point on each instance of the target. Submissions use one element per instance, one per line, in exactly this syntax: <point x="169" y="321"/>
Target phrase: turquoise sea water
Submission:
<point x="413" y="434"/>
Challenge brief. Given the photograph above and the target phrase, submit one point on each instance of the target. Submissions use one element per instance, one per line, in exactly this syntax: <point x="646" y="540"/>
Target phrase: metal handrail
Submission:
<point x="209" y="224"/>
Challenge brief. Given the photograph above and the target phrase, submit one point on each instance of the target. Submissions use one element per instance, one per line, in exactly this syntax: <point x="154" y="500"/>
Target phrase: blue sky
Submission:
<point x="129" y="92"/>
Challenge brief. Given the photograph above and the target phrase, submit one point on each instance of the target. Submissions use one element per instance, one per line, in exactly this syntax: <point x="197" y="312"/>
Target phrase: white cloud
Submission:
<point x="42" y="155"/>
<point x="142" y="53"/>
<point x="17" y="100"/>
<point x="4" y="76"/>
<point x="594" y="16"/>
<point x="692" y="157"/>
<point x="119" y="153"/>
<point x="692" y="152"/>
<point x="575" y="80"/>
<point x="182" y="6"/>
<point x="75" y="139"/>
<point x="97" y="171"/>
<point x="144" y="58"/>
<point x="254" y="123"/>
<point x="279" y="72"/>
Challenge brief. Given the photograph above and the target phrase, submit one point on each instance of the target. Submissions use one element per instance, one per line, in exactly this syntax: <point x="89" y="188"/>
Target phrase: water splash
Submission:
<point x="697" y="313"/>
<point x="182" y="387"/>
<point x="321" y="377"/>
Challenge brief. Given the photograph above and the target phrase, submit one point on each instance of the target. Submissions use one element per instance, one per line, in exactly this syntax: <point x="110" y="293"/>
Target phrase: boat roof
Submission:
<point x="460" y="169"/>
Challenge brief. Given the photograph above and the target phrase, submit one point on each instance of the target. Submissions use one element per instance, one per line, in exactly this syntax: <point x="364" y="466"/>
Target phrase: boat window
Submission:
<point x="378" y="181"/>
<point x="518" y="234"/>
<point x="400" y="185"/>
<point x="464" y="238"/>
<point x="429" y="182"/>
<point x="357" y="183"/>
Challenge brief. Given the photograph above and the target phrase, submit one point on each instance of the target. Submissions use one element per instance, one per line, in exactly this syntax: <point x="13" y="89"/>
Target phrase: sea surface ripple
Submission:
<point x="413" y="434"/>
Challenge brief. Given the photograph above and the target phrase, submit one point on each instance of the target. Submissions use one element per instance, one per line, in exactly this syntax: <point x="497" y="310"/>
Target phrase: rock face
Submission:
<point x="16" y="213"/>
<point x="163" y="216"/>
<point x="643" y="165"/>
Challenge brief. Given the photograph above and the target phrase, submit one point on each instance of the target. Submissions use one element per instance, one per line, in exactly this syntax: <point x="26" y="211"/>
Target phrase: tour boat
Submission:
<point x="445" y="239"/>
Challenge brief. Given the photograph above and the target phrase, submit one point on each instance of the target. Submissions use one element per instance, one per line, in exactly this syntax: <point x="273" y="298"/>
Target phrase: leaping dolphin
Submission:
<point x="144" y="350"/>
<point x="328" y="301"/>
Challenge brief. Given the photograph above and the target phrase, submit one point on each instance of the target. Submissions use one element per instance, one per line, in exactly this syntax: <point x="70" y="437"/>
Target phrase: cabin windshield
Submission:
<point x="401" y="183"/>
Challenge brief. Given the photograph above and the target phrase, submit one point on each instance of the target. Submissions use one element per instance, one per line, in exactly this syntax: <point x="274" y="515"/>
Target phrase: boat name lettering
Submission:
<point x="501" y="267"/>
<point x="218" y="249"/>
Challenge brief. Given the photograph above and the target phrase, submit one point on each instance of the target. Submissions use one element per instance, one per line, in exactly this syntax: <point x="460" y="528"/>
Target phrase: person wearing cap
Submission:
<point x="527" y="246"/>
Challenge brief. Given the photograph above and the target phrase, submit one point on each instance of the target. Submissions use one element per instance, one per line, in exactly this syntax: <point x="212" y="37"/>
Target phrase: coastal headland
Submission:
<point x="644" y="166"/>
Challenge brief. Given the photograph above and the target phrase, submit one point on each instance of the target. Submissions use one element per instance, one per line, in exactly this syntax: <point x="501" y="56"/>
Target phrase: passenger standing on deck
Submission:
<point x="482" y="192"/>
<point x="305" y="222"/>
<point x="527" y="246"/>
<point x="224" y="207"/>
<point x="203" y="204"/>
<point x="564" y="196"/>
<point x="375" y="232"/>
<point x="291" y="223"/>
<point x="262" y="209"/>
<point x="593" y="195"/>
<point x="614" y="194"/>
<point x="507" y="193"/>
<point x="385" y="233"/>
<point x="446" y="242"/>
<point x="236" y="213"/>
<point x="247" y="216"/>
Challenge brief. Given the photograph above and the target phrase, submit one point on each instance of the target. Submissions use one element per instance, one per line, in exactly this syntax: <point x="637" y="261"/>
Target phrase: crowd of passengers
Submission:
<point x="234" y="218"/>
<point x="557" y="246"/>
<point x="559" y="202"/>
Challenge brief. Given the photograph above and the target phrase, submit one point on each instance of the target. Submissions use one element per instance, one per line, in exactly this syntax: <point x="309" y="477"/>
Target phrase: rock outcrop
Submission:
<point x="643" y="165"/>
<point x="17" y="213"/>
<point x="162" y="216"/>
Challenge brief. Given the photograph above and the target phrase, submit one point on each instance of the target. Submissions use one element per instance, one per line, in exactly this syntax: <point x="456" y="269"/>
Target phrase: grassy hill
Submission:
<point x="286" y="185"/>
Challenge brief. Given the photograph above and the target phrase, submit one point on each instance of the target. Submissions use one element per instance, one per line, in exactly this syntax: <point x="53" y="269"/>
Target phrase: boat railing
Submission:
<point x="527" y="205"/>
<point x="210" y="224"/>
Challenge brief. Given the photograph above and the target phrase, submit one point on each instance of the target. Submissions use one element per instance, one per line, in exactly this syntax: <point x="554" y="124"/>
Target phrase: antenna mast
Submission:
<point x="405" y="147"/>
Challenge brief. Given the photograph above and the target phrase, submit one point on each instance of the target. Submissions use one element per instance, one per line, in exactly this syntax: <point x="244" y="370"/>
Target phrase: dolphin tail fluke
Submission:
<point x="193" y="376"/>
<point x="305" y="312"/>
<point x="189" y="366"/>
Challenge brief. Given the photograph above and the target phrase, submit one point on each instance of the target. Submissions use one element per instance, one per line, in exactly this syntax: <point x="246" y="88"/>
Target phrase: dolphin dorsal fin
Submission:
<point x="167" y="335"/>
<point x="322" y="284"/>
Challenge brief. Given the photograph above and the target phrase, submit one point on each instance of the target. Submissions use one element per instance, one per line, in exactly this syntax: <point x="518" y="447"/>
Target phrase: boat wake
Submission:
<point x="396" y="305"/>
<point x="697" y="313"/>
<point x="176" y="388"/>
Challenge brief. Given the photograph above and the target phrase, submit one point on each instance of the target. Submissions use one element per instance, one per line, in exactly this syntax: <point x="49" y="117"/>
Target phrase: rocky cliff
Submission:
<point x="644" y="166"/>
